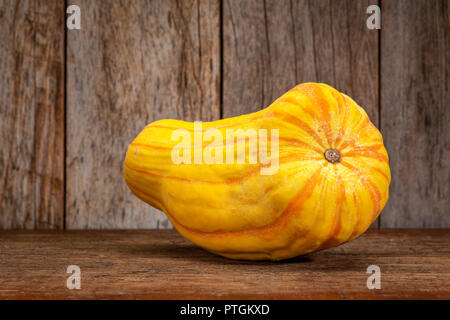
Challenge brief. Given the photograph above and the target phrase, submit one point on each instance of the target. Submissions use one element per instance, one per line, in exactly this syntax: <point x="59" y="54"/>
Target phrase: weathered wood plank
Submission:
<point x="32" y="114"/>
<point x="415" y="111"/>
<point x="413" y="264"/>
<point x="270" y="46"/>
<point x="130" y="64"/>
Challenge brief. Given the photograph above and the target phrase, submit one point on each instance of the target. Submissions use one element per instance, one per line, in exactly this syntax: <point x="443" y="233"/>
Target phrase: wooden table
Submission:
<point x="159" y="264"/>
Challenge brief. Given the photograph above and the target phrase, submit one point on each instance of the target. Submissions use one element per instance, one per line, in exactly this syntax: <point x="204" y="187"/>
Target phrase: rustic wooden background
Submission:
<point x="72" y="100"/>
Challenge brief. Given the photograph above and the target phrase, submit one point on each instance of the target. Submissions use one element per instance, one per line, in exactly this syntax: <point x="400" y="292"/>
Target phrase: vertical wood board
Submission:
<point x="415" y="112"/>
<point x="32" y="114"/>
<point x="132" y="63"/>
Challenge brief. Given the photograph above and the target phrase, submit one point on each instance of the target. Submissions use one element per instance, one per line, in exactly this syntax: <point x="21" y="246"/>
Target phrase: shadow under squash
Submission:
<point x="187" y="252"/>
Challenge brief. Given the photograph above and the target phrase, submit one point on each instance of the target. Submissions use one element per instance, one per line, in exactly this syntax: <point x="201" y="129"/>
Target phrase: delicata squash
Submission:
<point x="328" y="182"/>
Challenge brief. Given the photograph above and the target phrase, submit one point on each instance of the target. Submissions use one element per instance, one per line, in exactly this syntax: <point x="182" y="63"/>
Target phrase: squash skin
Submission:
<point x="309" y="204"/>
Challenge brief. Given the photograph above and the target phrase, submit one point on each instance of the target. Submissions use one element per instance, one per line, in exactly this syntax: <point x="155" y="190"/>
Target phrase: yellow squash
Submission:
<point x="331" y="182"/>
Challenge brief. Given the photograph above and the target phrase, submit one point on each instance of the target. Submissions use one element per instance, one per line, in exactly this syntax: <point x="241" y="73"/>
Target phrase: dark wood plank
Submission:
<point x="32" y="114"/>
<point x="415" y="111"/>
<point x="131" y="64"/>
<point x="270" y="46"/>
<point x="414" y="265"/>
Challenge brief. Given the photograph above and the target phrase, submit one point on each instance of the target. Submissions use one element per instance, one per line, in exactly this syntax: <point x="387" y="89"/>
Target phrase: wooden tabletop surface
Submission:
<point x="159" y="264"/>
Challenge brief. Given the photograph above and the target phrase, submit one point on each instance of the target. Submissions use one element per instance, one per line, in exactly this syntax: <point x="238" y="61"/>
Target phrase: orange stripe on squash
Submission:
<point x="281" y="221"/>
<point x="373" y="190"/>
<point x="370" y="151"/>
<point x="291" y="141"/>
<point x="254" y="170"/>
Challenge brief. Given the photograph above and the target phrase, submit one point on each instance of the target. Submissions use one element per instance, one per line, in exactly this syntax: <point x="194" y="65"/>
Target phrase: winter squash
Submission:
<point x="329" y="183"/>
<point x="326" y="175"/>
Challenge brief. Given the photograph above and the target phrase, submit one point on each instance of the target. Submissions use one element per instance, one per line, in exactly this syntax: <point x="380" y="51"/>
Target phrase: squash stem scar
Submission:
<point x="332" y="155"/>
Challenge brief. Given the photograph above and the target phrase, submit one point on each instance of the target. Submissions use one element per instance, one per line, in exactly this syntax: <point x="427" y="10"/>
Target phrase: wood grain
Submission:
<point x="135" y="62"/>
<point x="32" y="114"/>
<point x="131" y="64"/>
<point x="415" y="112"/>
<point x="414" y="265"/>
<point x="270" y="46"/>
